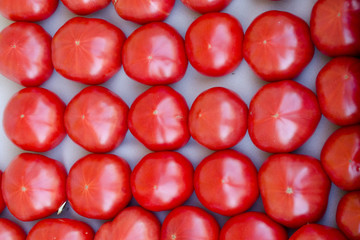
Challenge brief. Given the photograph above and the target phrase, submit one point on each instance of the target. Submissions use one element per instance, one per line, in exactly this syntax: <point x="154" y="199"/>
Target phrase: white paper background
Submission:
<point x="242" y="80"/>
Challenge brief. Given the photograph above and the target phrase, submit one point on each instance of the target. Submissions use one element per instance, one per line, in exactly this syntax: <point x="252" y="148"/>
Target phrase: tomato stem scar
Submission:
<point x="289" y="190"/>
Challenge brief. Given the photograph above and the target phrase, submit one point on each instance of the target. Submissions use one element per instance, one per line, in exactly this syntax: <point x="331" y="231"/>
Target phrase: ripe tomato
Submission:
<point x="338" y="90"/>
<point x="188" y="222"/>
<point x="277" y="45"/>
<point x="162" y="181"/>
<point x="25" y="54"/>
<point x="348" y="215"/>
<point x="218" y="118"/>
<point x="334" y="26"/>
<point x="206" y="6"/>
<point x="10" y="230"/>
<point x="252" y="225"/>
<point x="85" y="7"/>
<point x="96" y="119"/>
<point x="213" y="44"/>
<point x="33" y="119"/>
<point x="225" y="182"/>
<point x="2" y="203"/>
<point x="33" y="186"/>
<point x="294" y="189"/>
<point x="87" y="50"/>
<point x="98" y="186"/>
<point x="142" y="12"/>
<point x="61" y="229"/>
<point x="130" y="224"/>
<point x="154" y="54"/>
<point x="28" y="10"/>
<point x="283" y="115"/>
<point x="340" y="157"/>
<point x="158" y="118"/>
<point x="318" y="232"/>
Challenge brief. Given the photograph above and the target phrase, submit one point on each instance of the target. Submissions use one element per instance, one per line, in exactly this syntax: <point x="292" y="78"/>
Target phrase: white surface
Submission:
<point x="242" y="80"/>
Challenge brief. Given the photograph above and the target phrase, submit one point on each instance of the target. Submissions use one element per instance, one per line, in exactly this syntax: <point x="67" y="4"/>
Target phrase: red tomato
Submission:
<point x="340" y="158"/>
<point x="61" y="229"/>
<point x="348" y="215"/>
<point x="28" y="10"/>
<point x="85" y="7"/>
<point x="338" y="90"/>
<point x="226" y="182"/>
<point x="206" y="6"/>
<point x="158" y="118"/>
<point x="25" y="54"/>
<point x="141" y="12"/>
<point x="188" y="222"/>
<point x="213" y="44"/>
<point x="334" y="26"/>
<point x="33" y="186"/>
<point x="294" y="189"/>
<point x="252" y="225"/>
<point x="318" y="232"/>
<point x="87" y="50"/>
<point x="96" y="119"/>
<point x="98" y="186"/>
<point x="283" y="115"/>
<point x="2" y="203"/>
<point x="33" y="119"/>
<point x="218" y="118"/>
<point x="154" y="54"/>
<point x="162" y="181"/>
<point x="10" y="230"/>
<point x="277" y="45"/>
<point x="132" y="223"/>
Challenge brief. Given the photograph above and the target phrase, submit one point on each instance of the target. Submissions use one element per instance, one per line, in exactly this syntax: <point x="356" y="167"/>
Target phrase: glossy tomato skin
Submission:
<point x="34" y="119"/>
<point x="335" y="28"/>
<point x="33" y="186"/>
<point x="154" y="54"/>
<point x="10" y="230"/>
<point x="282" y="116"/>
<point x="162" y="181"/>
<point x="143" y="12"/>
<point x="338" y="90"/>
<point x="318" y="232"/>
<point x="98" y="186"/>
<point x="87" y="50"/>
<point x="96" y="119"/>
<point x="2" y="203"/>
<point x="28" y="10"/>
<point x="348" y="215"/>
<point x="158" y="118"/>
<point x="218" y="118"/>
<point x="61" y="229"/>
<point x="278" y="46"/>
<point x="131" y="223"/>
<point x="25" y="54"/>
<point x="225" y="182"/>
<point x="252" y="225"/>
<point x="85" y="7"/>
<point x="189" y="222"/>
<point x="294" y="189"/>
<point x="213" y="44"/>
<point x="340" y="157"/>
<point x="206" y="6"/>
